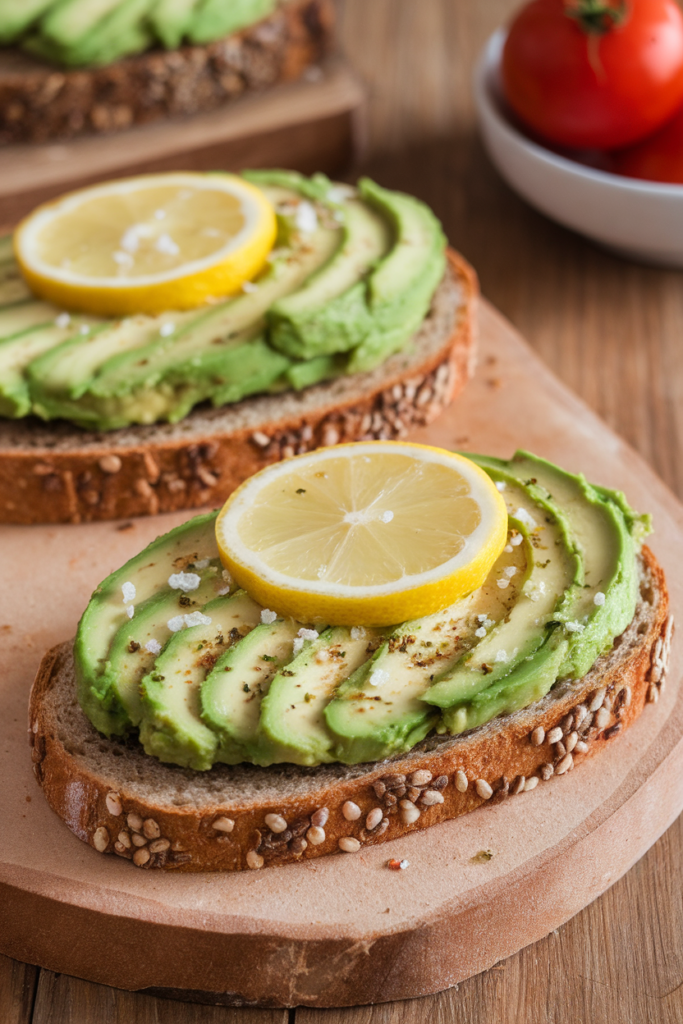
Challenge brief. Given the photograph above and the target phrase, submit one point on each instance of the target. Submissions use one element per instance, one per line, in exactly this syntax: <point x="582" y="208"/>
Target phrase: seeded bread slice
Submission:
<point x="121" y="801"/>
<point x="57" y="473"/>
<point x="40" y="102"/>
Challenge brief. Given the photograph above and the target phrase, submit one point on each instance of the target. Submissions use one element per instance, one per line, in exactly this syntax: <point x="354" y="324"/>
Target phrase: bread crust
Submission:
<point x="41" y="102"/>
<point x="439" y="780"/>
<point x="200" y="461"/>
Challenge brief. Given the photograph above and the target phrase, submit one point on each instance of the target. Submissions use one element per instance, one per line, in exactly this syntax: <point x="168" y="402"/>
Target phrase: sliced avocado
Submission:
<point x="527" y="683"/>
<point x="401" y="287"/>
<point x="148" y="572"/>
<point x="293" y="722"/>
<point x="172" y="728"/>
<point x="16" y="16"/>
<point x="13" y="288"/>
<point x="602" y="535"/>
<point x="171" y="19"/>
<point x="60" y="379"/>
<point x="70" y="21"/>
<point x="555" y="571"/>
<point x="330" y="314"/>
<point x="16" y="353"/>
<point x="380" y="711"/>
<point x="231" y="694"/>
<point x="130" y="659"/>
<point x="216" y="18"/>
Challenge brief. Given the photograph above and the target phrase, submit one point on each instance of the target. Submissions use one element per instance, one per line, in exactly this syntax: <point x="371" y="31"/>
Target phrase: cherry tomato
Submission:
<point x="595" y="74"/>
<point x="658" y="158"/>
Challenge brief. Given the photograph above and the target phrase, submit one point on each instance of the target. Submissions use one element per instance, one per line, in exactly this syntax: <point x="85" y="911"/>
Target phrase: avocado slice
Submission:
<point x="13" y="288"/>
<point x="330" y="314"/>
<point x="140" y="639"/>
<point x="401" y="287"/>
<point x="293" y="721"/>
<point x="555" y="571"/>
<point x="148" y="572"/>
<point x="608" y="534"/>
<point x="16" y="354"/>
<point x="232" y="693"/>
<point x="380" y="710"/>
<point x="19" y="15"/>
<point x="171" y="727"/>
<point x="216" y="18"/>
<point x="70" y="21"/>
<point x="171" y="20"/>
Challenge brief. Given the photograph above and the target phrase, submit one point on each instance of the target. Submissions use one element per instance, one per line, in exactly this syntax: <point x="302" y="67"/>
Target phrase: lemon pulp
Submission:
<point x="147" y="244"/>
<point x="368" y="533"/>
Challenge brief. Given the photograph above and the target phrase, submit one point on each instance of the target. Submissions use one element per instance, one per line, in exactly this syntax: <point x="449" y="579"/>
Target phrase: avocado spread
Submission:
<point x="170" y="648"/>
<point x="348" y="283"/>
<point x="81" y="33"/>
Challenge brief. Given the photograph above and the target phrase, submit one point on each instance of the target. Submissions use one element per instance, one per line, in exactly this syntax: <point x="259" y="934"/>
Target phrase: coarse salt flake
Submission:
<point x="130" y="611"/>
<point x="297" y="644"/>
<point x="203" y="563"/>
<point x="185" y="581"/>
<point x="308" y="634"/>
<point x="502" y="656"/>
<point x="176" y="623"/>
<point x="510" y="571"/>
<point x="524" y="517"/>
<point x="516" y="540"/>
<point x="379" y="677"/>
<point x="503" y="583"/>
<point x="153" y="646"/>
<point x="129" y="592"/>
<point x="599" y="599"/>
<point x="574" y="627"/>
<point x="480" y="632"/>
<point x="357" y="633"/>
<point x="223" y="591"/>
<point x="167" y="329"/>
<point x="501" y="485"/>
<point x="85" y="329"/>
<point x="306" y="219"/>
<point x="248" y="287"/>
<point x="268" y="616"/>
<point x="63" y="320"/>
<point x="508" y="549"/>
<point x="197" y="619"/>
<point x="387" y="516"/>
<point x="166" y="246"/>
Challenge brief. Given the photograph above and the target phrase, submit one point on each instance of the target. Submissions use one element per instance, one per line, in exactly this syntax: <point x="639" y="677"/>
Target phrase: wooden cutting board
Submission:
<point x="342" y="930"/>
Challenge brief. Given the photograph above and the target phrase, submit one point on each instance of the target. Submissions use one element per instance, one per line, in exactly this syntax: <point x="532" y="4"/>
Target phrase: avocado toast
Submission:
<point x="359" y="326"/>
<point x="556" y="653"/>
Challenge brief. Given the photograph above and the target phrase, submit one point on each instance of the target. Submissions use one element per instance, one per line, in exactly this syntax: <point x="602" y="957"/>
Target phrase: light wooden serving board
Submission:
<point x="314" y="124"/>
<point x="343" y="929"/>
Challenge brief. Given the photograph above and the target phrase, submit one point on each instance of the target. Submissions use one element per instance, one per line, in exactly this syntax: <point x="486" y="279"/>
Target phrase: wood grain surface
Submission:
<point x="612" y="331"/>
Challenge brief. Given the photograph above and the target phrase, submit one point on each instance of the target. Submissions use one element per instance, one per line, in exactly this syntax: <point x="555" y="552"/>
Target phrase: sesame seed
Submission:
<point x="101" y="839"/>
<point x="141" y="857"/>
<point x="461" y="782"/>
<point x="538" y="736"/>
<point x="113" y="802"/>
<point x="351" y="811"/>
<point x="597" y="700"/>
<point x="430" y="797"/>
<point x="349" y="845"/>
<point x="555" y="735"/>
<point x="420" y="777"/>
<point x="254" y="860"/>
<point x="275" y="822"/>
<point x="602" y="718"/>
<point x="530" y="784"/>
<point x="373" y="819"/>
<point x="223" y="824"/>
<point x="320" y="817"/>
<point x="409" y="812"/>
<point x="315" y="835"/>
<point x="483" y="789"/>
<point x="565" y="764"/>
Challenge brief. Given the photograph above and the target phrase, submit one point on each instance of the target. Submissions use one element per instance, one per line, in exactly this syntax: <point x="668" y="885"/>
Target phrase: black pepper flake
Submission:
<point x="133" y="646"/>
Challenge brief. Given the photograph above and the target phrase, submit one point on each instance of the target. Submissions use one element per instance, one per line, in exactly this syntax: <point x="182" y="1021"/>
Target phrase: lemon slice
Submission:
<point x="147" y="244"/>
<point x="372" y="533"/>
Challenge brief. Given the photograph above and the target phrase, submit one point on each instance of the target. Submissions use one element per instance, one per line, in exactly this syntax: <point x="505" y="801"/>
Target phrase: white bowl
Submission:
<point x="639" y="219"/>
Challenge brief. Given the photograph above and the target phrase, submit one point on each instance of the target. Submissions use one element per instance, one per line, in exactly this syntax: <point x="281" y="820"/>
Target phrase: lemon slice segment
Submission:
<point x="371" y="533"/>
<point x="147" y="244"/>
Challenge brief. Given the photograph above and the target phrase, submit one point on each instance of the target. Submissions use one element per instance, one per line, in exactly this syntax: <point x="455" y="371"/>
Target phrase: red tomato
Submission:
<point x="595" y="74"/>
<point x="658" y="158"/>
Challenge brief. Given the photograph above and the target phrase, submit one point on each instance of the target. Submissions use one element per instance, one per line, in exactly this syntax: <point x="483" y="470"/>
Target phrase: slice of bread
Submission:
<point x="41" y="102"/>
<point x="121" y="801"/>
<point x="56" y="473"/>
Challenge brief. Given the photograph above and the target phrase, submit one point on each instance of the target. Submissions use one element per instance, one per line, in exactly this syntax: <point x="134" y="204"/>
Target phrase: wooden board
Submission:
<point x="343" y="930"/>
<point x="310" y="125"/>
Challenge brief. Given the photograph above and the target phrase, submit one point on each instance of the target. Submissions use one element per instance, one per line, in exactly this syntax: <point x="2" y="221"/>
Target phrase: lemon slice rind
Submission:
<point x="186" y="286"/>
<point x="380" y="604"/>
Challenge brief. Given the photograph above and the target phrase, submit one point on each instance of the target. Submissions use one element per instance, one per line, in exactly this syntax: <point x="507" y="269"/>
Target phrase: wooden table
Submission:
<point x="612" y="331"/>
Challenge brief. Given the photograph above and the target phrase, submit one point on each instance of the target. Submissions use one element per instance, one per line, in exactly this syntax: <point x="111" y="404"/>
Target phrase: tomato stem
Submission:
<point x="596" y="17"/>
